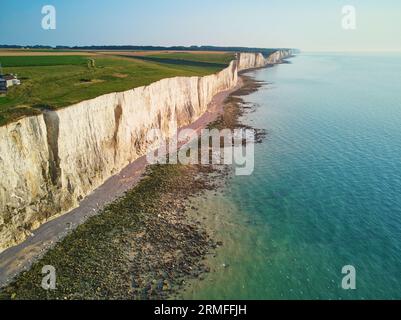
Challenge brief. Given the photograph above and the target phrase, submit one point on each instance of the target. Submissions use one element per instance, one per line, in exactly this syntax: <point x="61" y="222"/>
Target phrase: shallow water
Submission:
<point x="326" y="190"/>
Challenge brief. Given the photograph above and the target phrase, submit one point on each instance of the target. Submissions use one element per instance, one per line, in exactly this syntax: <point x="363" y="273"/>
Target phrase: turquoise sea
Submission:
<point x="326" y="190"/>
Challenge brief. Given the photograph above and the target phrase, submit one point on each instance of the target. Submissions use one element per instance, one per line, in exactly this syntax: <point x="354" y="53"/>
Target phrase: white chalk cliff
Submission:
<point x="49" y="162"/>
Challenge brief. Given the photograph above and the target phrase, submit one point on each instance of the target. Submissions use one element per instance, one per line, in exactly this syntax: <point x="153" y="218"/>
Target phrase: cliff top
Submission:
<point x="52" y="79"/>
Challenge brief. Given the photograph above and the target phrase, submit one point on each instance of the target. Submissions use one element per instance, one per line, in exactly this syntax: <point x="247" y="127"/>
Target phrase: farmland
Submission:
<point x="55" y="80"/>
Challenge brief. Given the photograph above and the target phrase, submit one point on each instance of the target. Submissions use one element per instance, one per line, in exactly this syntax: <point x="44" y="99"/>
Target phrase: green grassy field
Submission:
<point x="53" y="82"/>
<point x="213" y="58"/>
<point x="38" y="61"/>
<point x="209" y="60"/>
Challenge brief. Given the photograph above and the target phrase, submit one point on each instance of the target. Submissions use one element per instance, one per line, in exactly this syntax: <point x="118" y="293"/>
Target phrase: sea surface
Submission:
<point x="326" y="190"/>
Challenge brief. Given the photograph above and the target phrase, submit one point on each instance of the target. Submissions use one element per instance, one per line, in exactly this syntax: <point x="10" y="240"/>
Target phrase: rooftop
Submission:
<point x="8" y="77"/>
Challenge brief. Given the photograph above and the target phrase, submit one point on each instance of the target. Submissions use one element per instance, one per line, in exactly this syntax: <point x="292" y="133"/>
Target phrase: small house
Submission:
<point x="7" y="81"/>
<point x="12" y="80"/>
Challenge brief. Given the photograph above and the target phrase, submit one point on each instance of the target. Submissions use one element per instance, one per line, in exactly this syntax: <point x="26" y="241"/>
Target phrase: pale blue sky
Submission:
<point x="308" y="25"/>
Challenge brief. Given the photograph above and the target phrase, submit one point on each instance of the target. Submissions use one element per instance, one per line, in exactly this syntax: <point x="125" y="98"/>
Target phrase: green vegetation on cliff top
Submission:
<point x="56" y="81"/>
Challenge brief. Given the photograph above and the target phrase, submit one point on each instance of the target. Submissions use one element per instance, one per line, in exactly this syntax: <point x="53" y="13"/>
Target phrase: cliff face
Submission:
<point x="250" y="61"/>
<point x="48" y="163"/>
<point x="257" y="60"/>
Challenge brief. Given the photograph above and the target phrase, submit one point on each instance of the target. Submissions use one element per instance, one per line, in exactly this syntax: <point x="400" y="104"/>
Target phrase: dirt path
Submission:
<point x="22" y="53"/>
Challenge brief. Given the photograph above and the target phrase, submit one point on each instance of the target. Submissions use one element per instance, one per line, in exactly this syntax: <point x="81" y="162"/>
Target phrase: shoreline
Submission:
<point x="162" y="251"/>
<point x="19" y="258"/>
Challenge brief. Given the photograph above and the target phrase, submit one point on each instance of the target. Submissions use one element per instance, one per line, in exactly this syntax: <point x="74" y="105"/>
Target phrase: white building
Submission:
<point x="7" y="81"/>
<point x="12" y="80"/>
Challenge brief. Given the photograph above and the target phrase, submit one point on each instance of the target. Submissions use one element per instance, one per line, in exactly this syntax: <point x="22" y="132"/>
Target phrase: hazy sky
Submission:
<point x="311" y="25"/>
